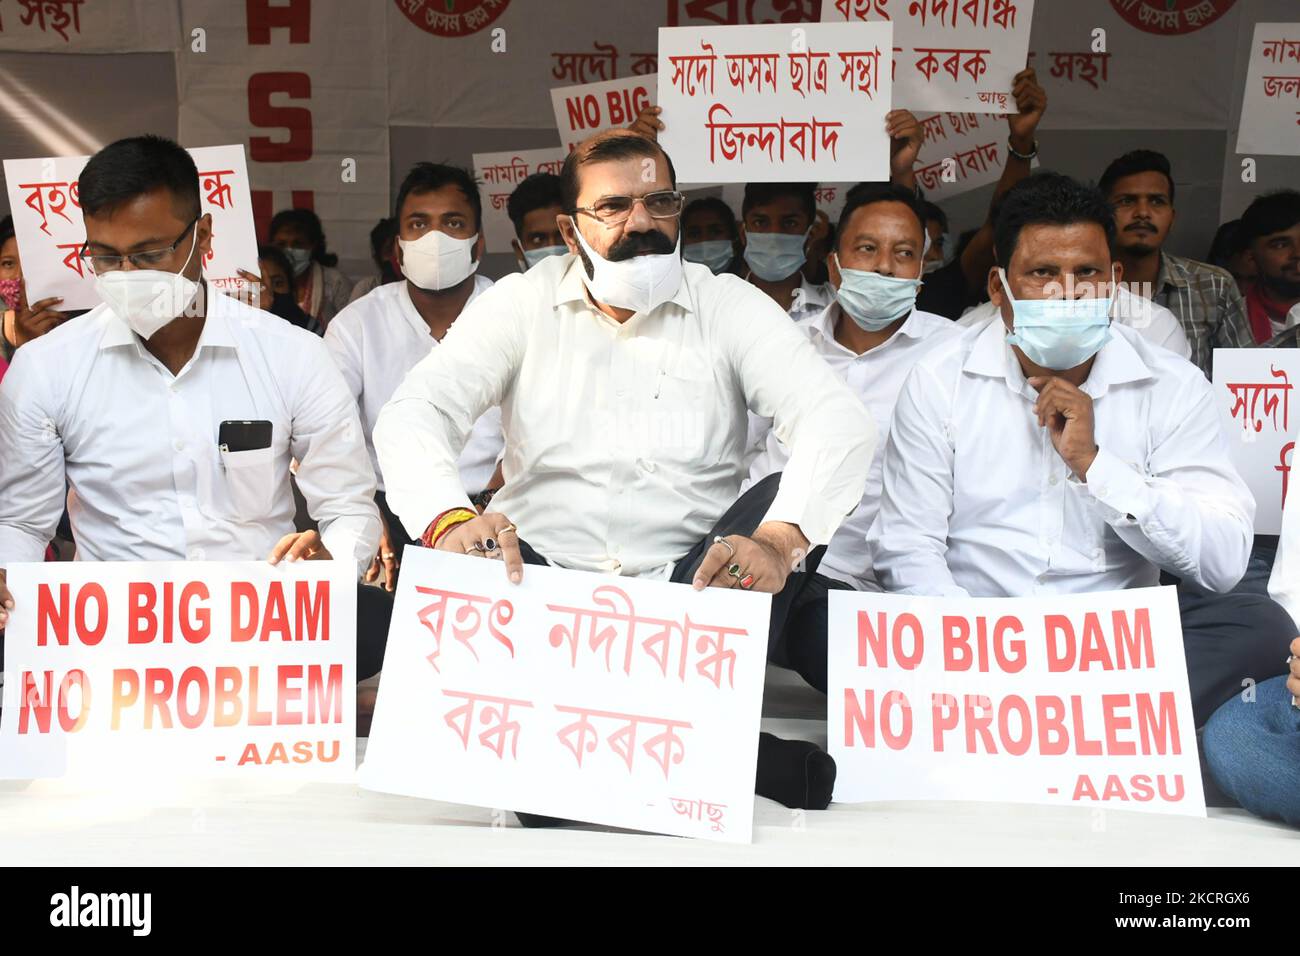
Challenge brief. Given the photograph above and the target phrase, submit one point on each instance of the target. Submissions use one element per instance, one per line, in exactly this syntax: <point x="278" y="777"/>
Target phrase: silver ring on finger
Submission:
<point x="490" y="545"/>
<point x="731" y="550"/>
<point x="510" y="528"/>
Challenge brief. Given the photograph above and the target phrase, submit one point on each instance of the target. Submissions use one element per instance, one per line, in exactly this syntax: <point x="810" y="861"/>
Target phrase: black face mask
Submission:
<point x="283" y="305"/>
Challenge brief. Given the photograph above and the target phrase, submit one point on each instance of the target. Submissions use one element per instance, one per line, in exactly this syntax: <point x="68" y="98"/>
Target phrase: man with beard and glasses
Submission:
<point x="593" y="359"/>
<point x="1270" y="231"/>
<point x="1204" y="298"/>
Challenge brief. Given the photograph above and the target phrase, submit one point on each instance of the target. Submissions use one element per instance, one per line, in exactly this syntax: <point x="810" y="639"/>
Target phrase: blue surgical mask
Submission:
<point x="773" y="256"/>
<point x="1058" y="333"/>
<point x="299" y="259"/>
<point x="872" y="300"/>
<point x="714" y="253"/>
<point x="534" y="256"/>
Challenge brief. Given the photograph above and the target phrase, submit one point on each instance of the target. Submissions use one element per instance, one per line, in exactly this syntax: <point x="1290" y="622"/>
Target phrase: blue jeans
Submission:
<point x="1253" y="751"/>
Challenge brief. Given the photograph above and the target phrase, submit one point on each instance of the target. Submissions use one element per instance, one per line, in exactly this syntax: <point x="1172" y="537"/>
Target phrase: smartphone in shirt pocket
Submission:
<point x="248" y="460"/>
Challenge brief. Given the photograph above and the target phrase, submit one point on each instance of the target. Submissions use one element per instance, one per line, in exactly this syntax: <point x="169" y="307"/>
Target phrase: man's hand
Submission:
<point x="1031" y="101"/>
<point x="299" y="546"/>
<point x="491" y="535"/>
<point x="766" y="558"/>
<point x="1066" y="413"/>
<point x="31" y="322"/>
<point x="385" y="559"/>
<point x="905" y="139"/>
<point x="647" y="123"/>
<point x="6" y="601"/>
<point x="1292" y="680"/>
<point x="255" y="287"/>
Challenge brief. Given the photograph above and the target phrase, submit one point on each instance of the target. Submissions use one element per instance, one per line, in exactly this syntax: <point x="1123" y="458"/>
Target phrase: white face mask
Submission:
<point x="639" y="283"/>
<point x="438" y="261"/>
<point x="299" y="259"/>
<point x="148" y="299"/>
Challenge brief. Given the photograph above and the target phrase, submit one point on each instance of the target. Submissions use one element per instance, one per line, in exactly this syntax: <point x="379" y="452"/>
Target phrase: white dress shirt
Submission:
<point x="138" y="446"/>
<point x="977" y="501"/>
<point x="876" y="377"/>
<point x="1154" y="322"/>
<point x="375" y="341"/>
<point x="624" y="440"/>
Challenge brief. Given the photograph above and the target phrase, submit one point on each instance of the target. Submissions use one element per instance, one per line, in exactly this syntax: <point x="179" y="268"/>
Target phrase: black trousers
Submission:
<point x="742" y="518"/>
<point x="396" y="530"/>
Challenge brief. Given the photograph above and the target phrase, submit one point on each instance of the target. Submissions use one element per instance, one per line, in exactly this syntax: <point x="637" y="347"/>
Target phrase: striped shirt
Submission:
<point x="1207" y="304"/>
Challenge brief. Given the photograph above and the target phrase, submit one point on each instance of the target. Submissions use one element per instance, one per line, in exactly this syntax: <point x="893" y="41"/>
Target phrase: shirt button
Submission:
<point x="178" y="445"/>
<point x="196" y="554"/>
<point x="1053" y="480"/>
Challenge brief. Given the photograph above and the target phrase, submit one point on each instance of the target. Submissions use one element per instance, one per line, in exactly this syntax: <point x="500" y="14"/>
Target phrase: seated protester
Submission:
<point x="322" y="289"/>
<point x="590" y="357"/>
<point x="376" y="340"/>
<point x="936" y="231"/>
<point x="1060" y="453"/>
<point x="1252" y="743"/>
<point x="121" y="410"/>
<point x="711" y="237"/>
<point x="1227" y="251"/>
<point x="383" y="253"/>
<point x="777" y="224"/>
<point x="952" y="288"/>
<point x="533" y="207"/>
<point x="871" y="336"/>
<point x="1140" y="187"/>
<point x="22" y="322"/>
<point x="1270" y="229"/>
<point x="275" y="290"/>
<point x="1153" y="322"/>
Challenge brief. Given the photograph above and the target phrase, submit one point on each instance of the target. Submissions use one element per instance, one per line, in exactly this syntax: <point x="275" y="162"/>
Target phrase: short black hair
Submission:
<point x="1267" y="214"/>
<point x="713" y="204"/>
<point x="603" y="150"/>
<point x="1049" y="199"/>
<point x="428" y="177"/>
<point x="1132" y="163"/>
<point x="934" y="212"/>
<point x="760" y="194"/>
<point x="534" y="192"/>
<point x="384" y="232"/>
<point x="1225" y="244"/>
<point x="6" y="229"/>
<point x="309" y="224"/>
<point x="867" y="194"/>
<point x="276" y="255"/>
<point x="128" y="168"/>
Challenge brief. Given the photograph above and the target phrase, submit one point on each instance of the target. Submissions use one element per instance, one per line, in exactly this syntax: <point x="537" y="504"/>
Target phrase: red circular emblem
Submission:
<point x="1171" y="17"/>
<point x="452" y="18"/>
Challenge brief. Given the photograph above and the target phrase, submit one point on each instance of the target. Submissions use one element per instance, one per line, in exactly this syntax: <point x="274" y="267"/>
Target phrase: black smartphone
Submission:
<point x="244" y="436"/>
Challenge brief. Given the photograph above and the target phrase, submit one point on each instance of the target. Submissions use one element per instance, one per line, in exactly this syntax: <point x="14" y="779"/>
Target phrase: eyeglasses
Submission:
<point x="100" y="264"/>
<point x="615" y="209"/>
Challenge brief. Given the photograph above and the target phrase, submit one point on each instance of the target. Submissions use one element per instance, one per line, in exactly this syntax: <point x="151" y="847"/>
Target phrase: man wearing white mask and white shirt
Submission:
<point x="778" y="221"/>
<point x="1059" y="453"/>
<point x="380" y="337"/>
<point x="624" y="376"/>
<point x="169" y="415"/>
<point x="871" y="336"/>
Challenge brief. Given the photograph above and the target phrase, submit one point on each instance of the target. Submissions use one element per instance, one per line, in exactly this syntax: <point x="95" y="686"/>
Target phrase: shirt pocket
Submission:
<point x="245" y="488"/>
<point x="684" y="426"/>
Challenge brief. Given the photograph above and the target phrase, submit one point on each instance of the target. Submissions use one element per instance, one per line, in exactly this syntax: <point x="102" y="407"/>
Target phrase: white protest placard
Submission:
<point x="949" y="54"/>
<point x="1253" y="391"/>
<point x="47" y="222"/>
<point x="1077" y="700"/>
<point x="1270" y="107"/>
<point x="582" y="111"/>
<point x="776" y="103"/>
<point x="180" y="669"/>
<point x="498" y="174"/>
<point x="961" y="152"/>
<point x="611" y="700"/>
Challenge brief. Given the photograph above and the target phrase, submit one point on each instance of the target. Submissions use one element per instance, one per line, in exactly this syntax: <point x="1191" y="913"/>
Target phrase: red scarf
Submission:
<point x="1262" y="310"/>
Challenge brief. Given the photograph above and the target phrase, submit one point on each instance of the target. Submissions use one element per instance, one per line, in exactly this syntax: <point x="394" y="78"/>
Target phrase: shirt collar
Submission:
<point x="1118" y="361"/>
<point x="571" y="288"/>
<point x="216" y="333"/>
<point x="816" y="296"/>
<point x="1170" y="273"/>
<point x="823" y="324"/>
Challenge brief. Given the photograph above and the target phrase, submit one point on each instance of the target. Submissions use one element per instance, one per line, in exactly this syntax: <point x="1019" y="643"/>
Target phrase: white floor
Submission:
<point x="41" y="823"/>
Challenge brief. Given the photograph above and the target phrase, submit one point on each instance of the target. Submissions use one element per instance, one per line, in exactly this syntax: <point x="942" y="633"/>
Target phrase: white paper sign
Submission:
<point x="1078" y="700"/>
<point x="47" y="222"/>
<point x="1253" y="389"/>
<point x="776" y="103"/>
<point x="949" y="54"/>
<point x="961" y="152"/>
<point x="123" y="670"/>
<point x="582" y="111"/>
<point x="498" y="174"/>
<point x="588" y="697"/>
<point x="1270" y="108"/>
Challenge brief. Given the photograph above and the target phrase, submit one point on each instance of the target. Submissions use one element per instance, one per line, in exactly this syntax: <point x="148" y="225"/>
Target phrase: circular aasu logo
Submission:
<point x="452" y="18"/>
<point x="1170" y="17"/>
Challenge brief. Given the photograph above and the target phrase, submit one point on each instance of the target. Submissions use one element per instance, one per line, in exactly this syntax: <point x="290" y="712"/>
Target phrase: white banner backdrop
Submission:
<point x="90" y="26"/>
<point x="1270" y="109"/>
<point x="305" y="85"/>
